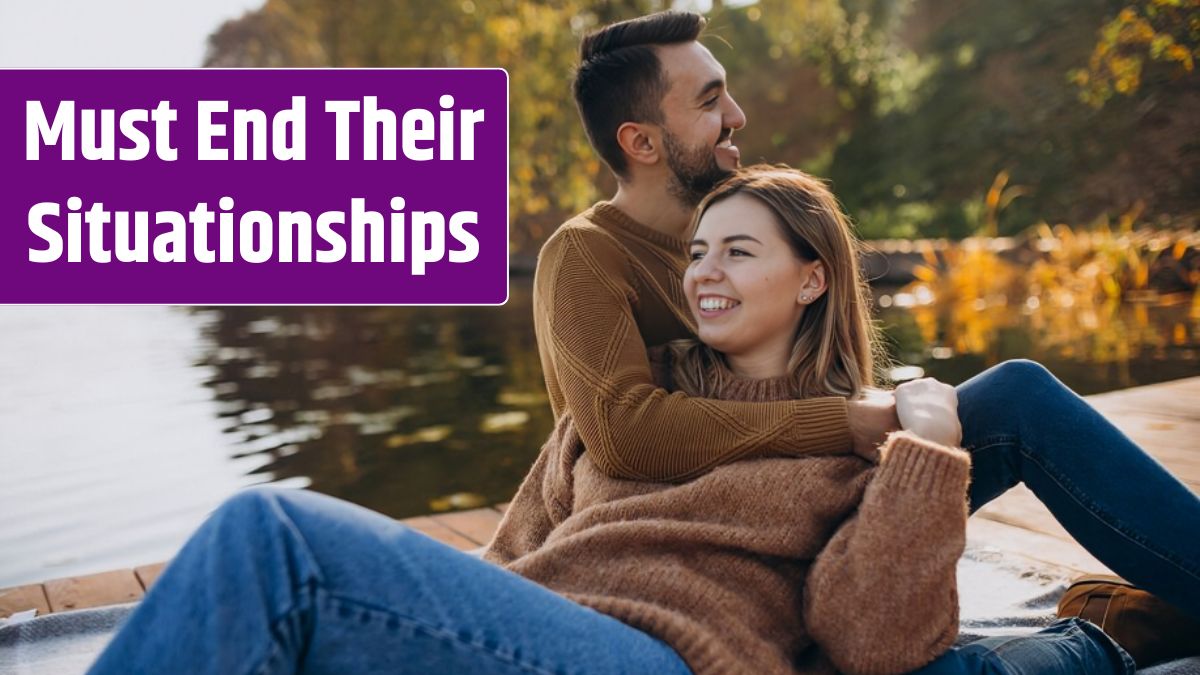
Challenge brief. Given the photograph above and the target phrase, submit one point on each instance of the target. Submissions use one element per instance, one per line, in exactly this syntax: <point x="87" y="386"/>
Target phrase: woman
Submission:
<point x="768" y="565"/>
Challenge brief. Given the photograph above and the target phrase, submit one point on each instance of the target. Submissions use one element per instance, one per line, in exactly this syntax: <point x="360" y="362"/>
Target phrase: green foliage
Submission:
<point x="912" y="108"/>
<point x="552" y="168"/>
<point x="995" y="100"/>
<point x="1163" y="30"/>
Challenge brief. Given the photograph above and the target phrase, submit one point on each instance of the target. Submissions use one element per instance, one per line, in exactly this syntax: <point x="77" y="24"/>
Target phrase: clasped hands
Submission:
<point x="925" y="407"/>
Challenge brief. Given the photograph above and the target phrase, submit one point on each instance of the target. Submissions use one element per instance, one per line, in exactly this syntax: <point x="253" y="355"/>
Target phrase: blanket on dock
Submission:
<point x="1001" y="594"/>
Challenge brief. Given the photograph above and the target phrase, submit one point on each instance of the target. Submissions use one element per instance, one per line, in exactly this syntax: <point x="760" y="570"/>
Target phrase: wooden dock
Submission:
<point x="1163" y="418"/>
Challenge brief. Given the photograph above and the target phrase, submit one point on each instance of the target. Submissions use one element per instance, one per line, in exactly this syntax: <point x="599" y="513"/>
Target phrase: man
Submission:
<point x="657" y="109"/>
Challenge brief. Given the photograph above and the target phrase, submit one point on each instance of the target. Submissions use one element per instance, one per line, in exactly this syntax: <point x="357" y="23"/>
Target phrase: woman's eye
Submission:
<point x="738" y="252"/>
<point x="696" y="255"/>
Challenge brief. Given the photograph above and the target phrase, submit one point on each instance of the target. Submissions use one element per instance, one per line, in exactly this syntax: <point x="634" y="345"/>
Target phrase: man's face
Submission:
<point x="700" y="117"/>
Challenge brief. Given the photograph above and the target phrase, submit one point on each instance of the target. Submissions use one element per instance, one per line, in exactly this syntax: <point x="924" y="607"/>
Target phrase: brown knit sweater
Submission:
<point x="767" y="565"/>
<point x="606" y="288"/>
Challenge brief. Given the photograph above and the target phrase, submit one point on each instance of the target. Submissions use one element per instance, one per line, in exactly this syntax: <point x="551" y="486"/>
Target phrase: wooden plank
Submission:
<point x="22" y="598"/>
<point x="148" y="574"/>
<point x="1019" y="507"/>
<point x="431" y="528"/>
<point x="93" y="590"/>
<point x="478" y="525"/>
<point x="1175" y="399"/>
<point x="1042" y="548"/>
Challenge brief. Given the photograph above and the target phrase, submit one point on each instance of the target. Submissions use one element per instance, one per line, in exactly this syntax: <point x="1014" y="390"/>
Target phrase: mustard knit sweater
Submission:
<point x="768" y="565"/>
<point x="608" y="287"/>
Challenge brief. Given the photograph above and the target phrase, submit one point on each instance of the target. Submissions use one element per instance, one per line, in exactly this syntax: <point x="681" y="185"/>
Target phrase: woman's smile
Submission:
<point x="711" y="306"/>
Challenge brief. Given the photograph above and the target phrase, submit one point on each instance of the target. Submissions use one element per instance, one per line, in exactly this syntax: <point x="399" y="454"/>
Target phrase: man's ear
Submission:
<point x="815" y="286"/>
<point x="639" y="142"/>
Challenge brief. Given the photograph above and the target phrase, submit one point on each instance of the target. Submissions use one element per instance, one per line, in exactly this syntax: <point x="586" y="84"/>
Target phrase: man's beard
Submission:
<point x="694" y="171"/>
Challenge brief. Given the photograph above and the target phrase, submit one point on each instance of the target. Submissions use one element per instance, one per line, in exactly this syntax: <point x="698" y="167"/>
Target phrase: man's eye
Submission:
<point x="712" y="101"/>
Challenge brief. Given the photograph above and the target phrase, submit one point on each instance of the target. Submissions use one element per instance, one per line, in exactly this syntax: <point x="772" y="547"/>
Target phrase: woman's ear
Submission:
<point x="639" y="142"/>
<point x="815" y="285"/>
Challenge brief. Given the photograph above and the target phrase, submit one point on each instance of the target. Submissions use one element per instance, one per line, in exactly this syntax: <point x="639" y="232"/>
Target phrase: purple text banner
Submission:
<point x="205" y="186"/>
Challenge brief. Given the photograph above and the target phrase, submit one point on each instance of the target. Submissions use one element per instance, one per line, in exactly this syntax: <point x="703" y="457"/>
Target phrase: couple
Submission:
<point x="742" y="503"/>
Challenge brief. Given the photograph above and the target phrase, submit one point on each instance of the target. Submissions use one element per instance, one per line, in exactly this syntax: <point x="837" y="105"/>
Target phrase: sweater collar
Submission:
<point x="611" y="217"/>
<point x="733" y="387"/>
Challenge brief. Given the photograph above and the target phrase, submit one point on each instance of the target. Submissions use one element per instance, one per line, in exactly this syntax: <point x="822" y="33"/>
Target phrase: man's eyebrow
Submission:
<point x="726" y="240"/>
<point x="716" y="83"/>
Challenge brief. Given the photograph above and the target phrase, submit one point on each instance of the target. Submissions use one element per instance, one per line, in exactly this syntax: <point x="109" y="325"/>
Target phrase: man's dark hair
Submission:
<point x="620" y="78"/>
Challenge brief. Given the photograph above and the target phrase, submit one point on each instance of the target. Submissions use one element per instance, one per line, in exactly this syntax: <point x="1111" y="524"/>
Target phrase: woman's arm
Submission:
<point x="544" y="500"/>
<point x="882" y="596"/>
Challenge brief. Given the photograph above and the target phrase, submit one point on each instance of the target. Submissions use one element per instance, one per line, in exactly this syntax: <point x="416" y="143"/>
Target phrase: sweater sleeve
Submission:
<point x="544" y="499"/>
<point x="882" y="597"/>
<point x="632" y="428"/>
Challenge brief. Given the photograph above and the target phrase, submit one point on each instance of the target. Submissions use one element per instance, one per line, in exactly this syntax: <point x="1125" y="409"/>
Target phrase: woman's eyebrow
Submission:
<point x="726" y="240"/>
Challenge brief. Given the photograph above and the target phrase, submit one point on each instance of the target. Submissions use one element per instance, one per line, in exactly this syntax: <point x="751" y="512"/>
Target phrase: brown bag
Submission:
<point x="1147" y="627"/>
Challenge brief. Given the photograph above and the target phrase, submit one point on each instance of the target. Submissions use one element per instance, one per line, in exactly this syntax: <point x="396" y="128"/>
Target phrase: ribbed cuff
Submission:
<point x="821" y="426"/>
<point x="915" y="464"/>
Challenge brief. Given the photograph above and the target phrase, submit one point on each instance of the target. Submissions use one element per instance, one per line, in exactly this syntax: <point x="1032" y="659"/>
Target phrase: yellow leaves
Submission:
<point x="1110" y="287"/>
<point x="1163" y="30"/>
<point x="1125" y="224"/>
<point x="925" y="273"/>
<point x="1181" y="55"/>
<point x="1087" y="294"/>
<point x="998" y="197"/>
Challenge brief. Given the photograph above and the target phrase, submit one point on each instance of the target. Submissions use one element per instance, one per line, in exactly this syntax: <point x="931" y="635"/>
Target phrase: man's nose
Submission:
<point x="734" y="117"/>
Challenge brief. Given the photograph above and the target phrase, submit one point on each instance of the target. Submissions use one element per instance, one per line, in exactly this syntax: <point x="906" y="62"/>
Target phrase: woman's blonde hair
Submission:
<point x="836" y="345"/>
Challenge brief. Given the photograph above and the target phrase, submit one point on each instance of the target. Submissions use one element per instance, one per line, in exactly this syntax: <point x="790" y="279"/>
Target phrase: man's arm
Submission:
<point x="882" y="595"/>
<point x="632" y="428"/>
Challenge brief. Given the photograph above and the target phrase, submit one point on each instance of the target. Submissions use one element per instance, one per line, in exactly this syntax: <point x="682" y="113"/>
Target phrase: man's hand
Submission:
<point x="929" y="409"/>
<point x="872" y="417"/>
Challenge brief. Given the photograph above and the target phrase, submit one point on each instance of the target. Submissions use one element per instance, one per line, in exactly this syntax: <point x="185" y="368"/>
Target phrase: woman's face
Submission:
<point x="746" y="286"/>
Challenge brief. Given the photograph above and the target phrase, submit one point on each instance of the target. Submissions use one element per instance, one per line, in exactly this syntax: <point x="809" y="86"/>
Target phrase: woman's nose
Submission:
<point x="709" y="269"/>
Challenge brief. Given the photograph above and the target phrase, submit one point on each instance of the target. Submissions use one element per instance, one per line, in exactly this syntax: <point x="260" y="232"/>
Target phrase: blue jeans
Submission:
<point x="281" y="581"/>
<point x="1068" y="646"/>
<point x="1021" y="424"/>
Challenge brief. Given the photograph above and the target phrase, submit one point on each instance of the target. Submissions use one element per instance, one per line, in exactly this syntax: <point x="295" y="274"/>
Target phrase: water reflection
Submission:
<point x="1093" y="347"/>
<point x="402" y="410"/>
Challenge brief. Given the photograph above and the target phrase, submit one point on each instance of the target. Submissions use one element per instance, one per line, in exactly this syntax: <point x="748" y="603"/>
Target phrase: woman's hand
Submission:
<point x="872" y="417"/>
<point x="929" y="409"/>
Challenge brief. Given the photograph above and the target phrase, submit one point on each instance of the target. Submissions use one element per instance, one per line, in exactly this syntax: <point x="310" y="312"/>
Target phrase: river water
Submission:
<point x="122" y="427"/>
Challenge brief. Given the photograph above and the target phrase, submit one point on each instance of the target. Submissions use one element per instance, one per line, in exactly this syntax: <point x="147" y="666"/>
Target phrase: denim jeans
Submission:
<point x="1020" y="424"/>
<point x="1068" y="646"/>
<point x="282" y="581"/>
